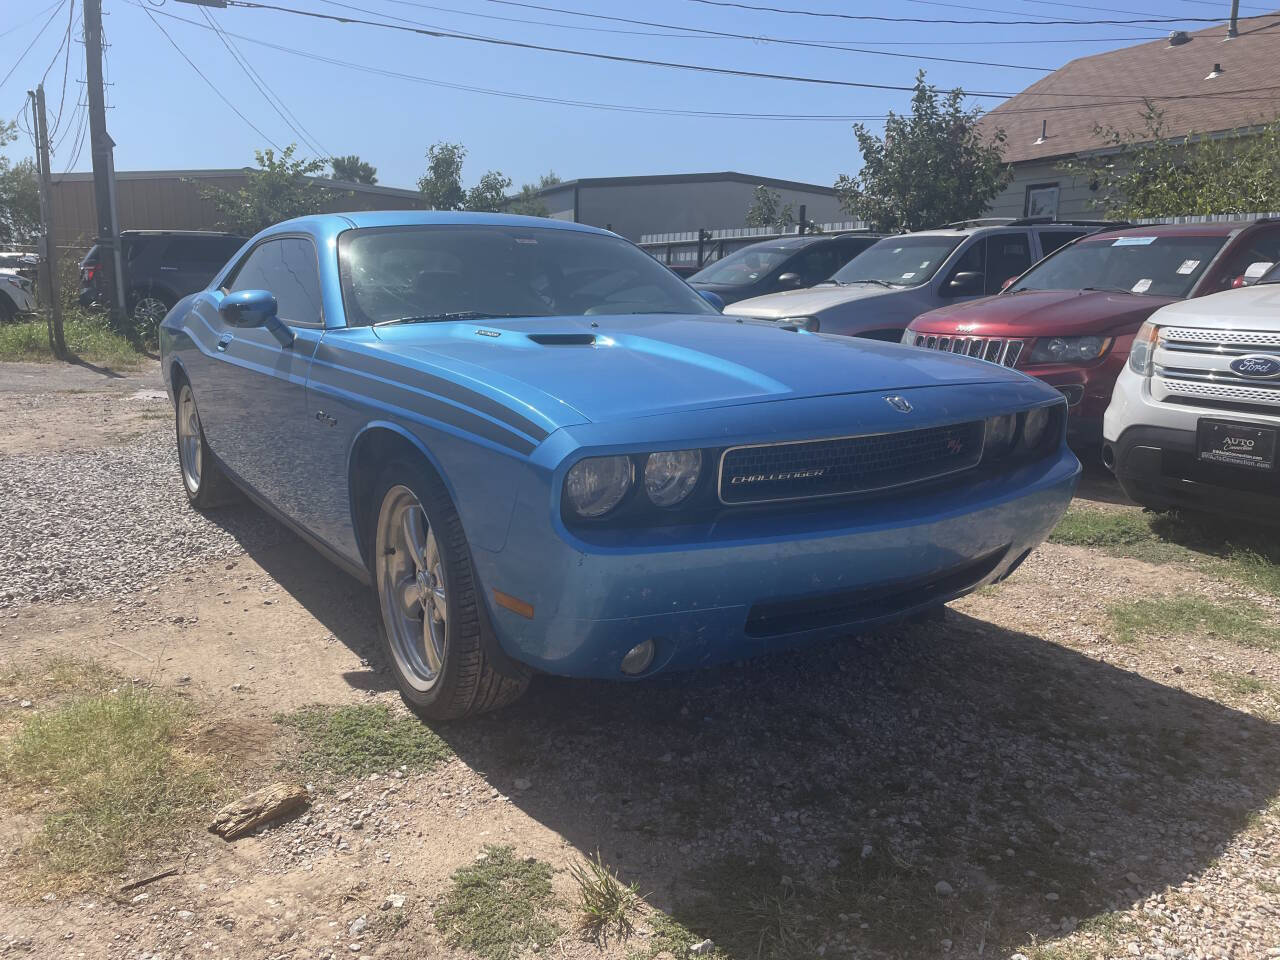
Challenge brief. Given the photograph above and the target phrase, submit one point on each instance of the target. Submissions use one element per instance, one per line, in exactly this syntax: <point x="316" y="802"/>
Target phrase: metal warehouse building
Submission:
<point x="171" y="200"/>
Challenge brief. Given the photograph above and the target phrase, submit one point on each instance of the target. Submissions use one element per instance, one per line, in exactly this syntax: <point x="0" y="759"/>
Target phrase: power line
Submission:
<point x="702" y="68"/>
<point x="34" y="41"/>
<point x="255" y="78"/>
<point x="210" y="83"/>
<point x="66" y="64"/>
<point x="792" y="11"/>
<point x="737" y="36"/>
<point x="30" y="20"/>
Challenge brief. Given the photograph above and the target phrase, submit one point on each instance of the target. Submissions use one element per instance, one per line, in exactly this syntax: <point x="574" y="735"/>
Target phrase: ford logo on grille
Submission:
<point x="1258" y="366"/>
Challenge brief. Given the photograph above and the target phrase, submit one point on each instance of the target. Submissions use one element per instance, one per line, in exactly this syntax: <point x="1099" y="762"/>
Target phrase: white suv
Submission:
<point x="1195" y="415"/>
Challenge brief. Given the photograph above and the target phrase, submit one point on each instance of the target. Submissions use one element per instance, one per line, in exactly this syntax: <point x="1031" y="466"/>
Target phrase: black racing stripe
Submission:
<point x="437" y="385"/>
<point x="336" y="378"/>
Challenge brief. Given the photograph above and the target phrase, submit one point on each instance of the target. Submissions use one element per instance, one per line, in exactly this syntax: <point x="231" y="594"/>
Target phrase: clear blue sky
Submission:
<point x="163" y="115"/>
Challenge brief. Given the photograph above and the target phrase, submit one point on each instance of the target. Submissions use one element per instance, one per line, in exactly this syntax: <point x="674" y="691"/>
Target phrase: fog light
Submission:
<point x="638" y="658"/>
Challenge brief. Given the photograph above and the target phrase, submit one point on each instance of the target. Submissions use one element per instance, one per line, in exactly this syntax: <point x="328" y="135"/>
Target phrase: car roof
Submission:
<point x="337" y="222"/>
<point x="179" y="233"/>
<point x="1219" y="229"/>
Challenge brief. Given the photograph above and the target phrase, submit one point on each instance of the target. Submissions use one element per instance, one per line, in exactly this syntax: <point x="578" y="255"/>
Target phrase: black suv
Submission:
<point x="160" y="268"/>
<point x="787" y="263"/>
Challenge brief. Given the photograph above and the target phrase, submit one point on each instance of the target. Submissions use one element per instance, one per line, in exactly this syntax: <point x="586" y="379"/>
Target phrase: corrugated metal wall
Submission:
<point x="174" y="203"/>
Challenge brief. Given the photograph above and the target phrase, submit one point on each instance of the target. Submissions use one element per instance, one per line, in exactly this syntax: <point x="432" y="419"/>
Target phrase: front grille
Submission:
<point x="846" y="465"/>
<point x="992" y="349"/>
<point x="1194" y="365"/>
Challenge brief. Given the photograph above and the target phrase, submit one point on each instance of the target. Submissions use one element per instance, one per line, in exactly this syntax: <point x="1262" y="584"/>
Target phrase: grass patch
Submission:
<point x="1217" y="546"/>
<point x="497" y="907"/>
<point x="88" y="338"/>
<point x="1240" y="684"/>
<point x="359" y="740"/>
<point x="112" y="768"/>
<point x="1188" y="615"/>
<point x="605" y="903"/>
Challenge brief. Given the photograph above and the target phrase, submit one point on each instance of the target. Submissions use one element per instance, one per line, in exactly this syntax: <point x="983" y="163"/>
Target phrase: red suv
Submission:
<point x="1070" y="319"/>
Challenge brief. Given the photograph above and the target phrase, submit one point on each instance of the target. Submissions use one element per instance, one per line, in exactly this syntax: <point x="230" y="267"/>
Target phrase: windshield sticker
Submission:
<point x="924" y="265"/>
<point x="1142" y="286"/>
<point x="1188" y="266"/>
<point x="897" y="249"/>
<point x="908" y="275"/>
<point x="1132" y="241"/>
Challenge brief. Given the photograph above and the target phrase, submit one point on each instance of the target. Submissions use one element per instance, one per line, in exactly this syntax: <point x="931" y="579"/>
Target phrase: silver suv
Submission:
<point x="898" y="278"/>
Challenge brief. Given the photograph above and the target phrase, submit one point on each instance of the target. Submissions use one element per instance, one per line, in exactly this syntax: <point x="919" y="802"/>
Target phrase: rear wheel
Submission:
<point x="146" y="309"/>
<point x="203" y="480"/>
<point x="8" y="311"/>
<point x="427" y="599"/>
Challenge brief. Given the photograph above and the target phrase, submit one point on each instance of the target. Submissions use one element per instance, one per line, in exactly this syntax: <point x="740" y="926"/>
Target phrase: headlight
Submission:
<point x="908" y="337"/>
<point x="1034" y="427"/>
<point x="1001" y="432"/>
<point x="671" y="475"/>
<point x="596" y="485"/>
<point x="1144" y="347"/>
<point x="1068" y="349"/>
<point x="804" y="323"/>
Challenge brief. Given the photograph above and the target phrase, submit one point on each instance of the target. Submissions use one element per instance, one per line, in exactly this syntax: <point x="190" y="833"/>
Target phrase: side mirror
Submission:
<point x="713" y="298"/>
<point x="246" y="309"/>
<point x="966" y="283"/>
<point x="1253" y="273"/>
<point x="790" y="280"/>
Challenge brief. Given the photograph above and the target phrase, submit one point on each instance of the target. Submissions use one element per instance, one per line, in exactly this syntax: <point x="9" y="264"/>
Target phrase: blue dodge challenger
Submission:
<point x="546" y="452"/>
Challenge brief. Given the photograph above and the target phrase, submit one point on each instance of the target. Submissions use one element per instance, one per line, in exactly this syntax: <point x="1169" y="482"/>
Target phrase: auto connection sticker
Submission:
<point x="1132" y="241"/>
<point x="1188" y="266"/>
<point x="908" y="275"/>
<point x="1142" y="286"/>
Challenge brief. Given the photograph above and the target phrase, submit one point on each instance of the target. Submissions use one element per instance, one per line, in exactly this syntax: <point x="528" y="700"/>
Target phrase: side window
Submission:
<point x="971" y="261"/>
<point x="1262" y="247"/>
<point x="287" y="268"/>
<point x="817" y="264"/>
<point x="1008" y="255"/>
<point x="851" y="248"/>
<point x="1051" y="240"/>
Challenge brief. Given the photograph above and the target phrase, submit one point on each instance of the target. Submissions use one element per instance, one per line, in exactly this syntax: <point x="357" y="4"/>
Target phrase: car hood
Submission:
<point x="570" y="369"/>
<point x="1035" y="313"/>
<point x="807" y="302"/>
<point x="1247" y="308"/>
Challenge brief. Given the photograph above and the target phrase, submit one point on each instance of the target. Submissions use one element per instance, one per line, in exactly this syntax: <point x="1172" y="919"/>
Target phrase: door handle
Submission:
<point x="224" y="341"/>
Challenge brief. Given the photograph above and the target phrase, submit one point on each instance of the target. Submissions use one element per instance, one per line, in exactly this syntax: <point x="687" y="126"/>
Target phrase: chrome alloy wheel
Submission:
<point x="149" y="311"/>
<point x="411" y="588"/>
<point x="190" y="454"/>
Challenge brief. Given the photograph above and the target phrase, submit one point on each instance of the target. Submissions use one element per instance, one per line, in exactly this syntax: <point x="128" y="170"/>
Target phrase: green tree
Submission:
<point x="1144" y="173"/>
<point x="441" y="185"/>
<point x="527" y="202"/>
<point x="930" y="168"/>
<point x="768" y="210"/>
<point x="353" y="170"/>
<point x="489" y="194"/>
<point x="279" y="189"/>
<point x="19" y="195"/>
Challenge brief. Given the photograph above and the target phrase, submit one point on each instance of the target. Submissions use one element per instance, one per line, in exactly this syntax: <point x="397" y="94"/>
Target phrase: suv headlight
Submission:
<point x="1068" y="349"/>
<point x="596" y="485"/>
<point x="1144" y="348"/>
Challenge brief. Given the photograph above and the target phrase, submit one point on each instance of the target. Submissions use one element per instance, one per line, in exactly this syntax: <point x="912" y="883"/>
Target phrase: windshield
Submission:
<point x="745" y="266"/>
<point x="902" y="261"/>
<point x="1152" y="266"/>
<point x="436" y="271"/>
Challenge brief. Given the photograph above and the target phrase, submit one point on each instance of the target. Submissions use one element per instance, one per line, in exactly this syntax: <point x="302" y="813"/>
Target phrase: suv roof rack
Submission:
<point x="1072" y="222"/>
<point x="979" y="222"/>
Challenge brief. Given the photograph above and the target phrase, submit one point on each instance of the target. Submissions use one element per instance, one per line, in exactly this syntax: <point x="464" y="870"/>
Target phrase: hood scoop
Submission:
<point x="564" y="339"/>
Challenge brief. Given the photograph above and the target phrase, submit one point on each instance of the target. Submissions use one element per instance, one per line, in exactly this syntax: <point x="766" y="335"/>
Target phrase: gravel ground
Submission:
<point x="71" y="526"/>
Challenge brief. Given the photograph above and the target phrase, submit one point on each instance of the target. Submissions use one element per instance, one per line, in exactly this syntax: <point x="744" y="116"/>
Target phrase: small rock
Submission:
<point x="394" y="901"/>
<point x="698" y="949"/>
<point x="354" y="947"/>
<point x="1132" y="879"/>
<point x="1051" y="897"/>
<point x="946" y="945"/>
<point x="26" y="704"/>
<point x="185" y="915"/>
<point x="1177" y="668"/>
<point x="943" y="889"/>
<point x="866" y="850"/>
<point x="358" y="925"/>
<point x="141" y="898"/>
<point x="522" y="784"/>
<point x="49" y="897"/>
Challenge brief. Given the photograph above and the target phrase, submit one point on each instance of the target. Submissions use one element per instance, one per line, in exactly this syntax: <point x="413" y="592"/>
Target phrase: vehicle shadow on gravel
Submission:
<point x="946" y="782"/>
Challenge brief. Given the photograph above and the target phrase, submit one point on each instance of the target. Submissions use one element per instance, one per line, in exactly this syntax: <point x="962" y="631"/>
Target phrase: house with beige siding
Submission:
<point x="1206" y="85"/>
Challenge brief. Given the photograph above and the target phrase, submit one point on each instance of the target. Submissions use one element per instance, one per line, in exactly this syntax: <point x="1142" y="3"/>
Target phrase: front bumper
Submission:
<point x="1087" y="388"/>
<point x="762" y="582"/>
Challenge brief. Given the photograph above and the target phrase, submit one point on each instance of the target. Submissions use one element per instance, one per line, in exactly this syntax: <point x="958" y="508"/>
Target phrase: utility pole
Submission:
<point x="104" y="170"/>
<point x="48" y="244"/>
<point x="1233" y="29"/>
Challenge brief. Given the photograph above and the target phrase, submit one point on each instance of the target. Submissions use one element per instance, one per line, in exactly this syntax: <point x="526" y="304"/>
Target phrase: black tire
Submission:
<point x="466" y="683"/>
<point x="206" y="486"/>
<point x="8" y="311"/>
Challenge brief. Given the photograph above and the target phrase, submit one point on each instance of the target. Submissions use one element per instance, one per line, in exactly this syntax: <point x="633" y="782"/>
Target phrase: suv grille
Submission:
<point x="1194" y="366"/>
<point x="828" y="468"/>
<point x="992" y="349"/>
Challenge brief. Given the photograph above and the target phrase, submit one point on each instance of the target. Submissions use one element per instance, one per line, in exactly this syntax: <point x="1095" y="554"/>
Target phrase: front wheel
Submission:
<point x="427" y="598"/>
<point x="147" y="308"/>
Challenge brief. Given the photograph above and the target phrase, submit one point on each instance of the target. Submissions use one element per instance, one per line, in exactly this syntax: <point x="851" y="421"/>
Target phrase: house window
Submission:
<point x="1042" y="201"/>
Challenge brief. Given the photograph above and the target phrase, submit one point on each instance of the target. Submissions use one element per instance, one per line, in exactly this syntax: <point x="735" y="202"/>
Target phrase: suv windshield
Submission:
<point x="447" y="271"/>
<point x="745" y="266"/>
<point x="1153" y="266"/>
<point x="905" y="261"/>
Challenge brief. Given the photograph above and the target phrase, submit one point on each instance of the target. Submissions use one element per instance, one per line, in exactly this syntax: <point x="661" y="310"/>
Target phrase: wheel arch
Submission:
<point x="378" y="442"/>
<point x="157" y="287"/>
